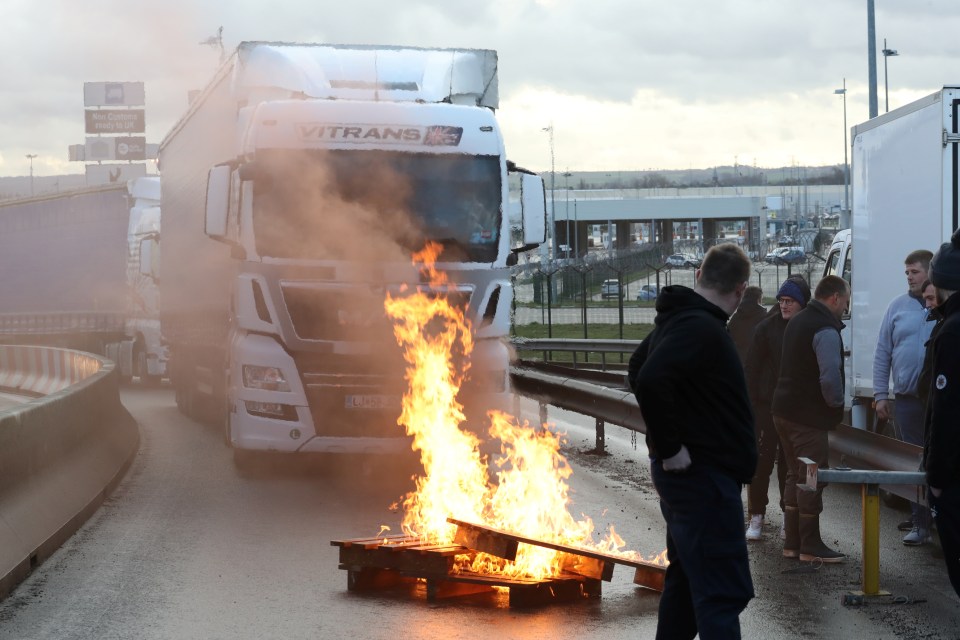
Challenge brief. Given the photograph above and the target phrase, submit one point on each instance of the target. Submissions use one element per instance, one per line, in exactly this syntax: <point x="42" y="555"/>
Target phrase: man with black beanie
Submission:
<point x="942" y="451"/>
<point x="693" y="398"/>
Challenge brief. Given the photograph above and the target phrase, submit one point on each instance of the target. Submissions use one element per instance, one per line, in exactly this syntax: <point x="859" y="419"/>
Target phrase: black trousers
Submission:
<point x="708" y="581"/>
<point x="769" y="451"/>
<point x="946" y="513"/>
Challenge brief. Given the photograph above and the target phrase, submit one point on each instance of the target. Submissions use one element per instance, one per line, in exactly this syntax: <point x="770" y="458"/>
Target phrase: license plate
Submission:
<point x="372" y="402"/>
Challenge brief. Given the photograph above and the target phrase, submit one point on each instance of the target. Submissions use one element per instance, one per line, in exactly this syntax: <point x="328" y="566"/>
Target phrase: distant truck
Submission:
<point x="73" y="278"/>
<point x="295" y="190"/>
<point x="906" y="190"/>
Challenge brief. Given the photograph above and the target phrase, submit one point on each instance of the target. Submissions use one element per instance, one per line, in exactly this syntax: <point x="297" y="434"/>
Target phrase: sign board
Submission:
<point x="113" y="94"/>
<point x="113" y="173"/>
<point x="83" y="152"/>
<point x="116" y="148"/>
<point x="115" y="121"/>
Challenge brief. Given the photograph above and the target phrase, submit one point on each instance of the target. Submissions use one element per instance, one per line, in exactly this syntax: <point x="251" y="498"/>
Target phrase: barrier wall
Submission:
<point x="60" y="454"/>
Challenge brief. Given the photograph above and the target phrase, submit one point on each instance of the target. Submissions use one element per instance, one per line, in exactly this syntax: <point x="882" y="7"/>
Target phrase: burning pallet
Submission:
<point x="389" y="561"/>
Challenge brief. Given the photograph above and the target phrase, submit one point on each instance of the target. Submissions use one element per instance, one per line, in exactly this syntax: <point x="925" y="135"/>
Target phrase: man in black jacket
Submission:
<point x="762" y="368"/>
<point x="743" y="323"/>
<point x="693" y="398"/>
<point x="807" y="404"/>
<point x="941" y="456"/>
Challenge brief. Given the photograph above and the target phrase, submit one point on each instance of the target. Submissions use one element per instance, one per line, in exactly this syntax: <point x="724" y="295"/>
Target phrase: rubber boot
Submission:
<point x="812" y="547"/>
<point x="791" y="526"/>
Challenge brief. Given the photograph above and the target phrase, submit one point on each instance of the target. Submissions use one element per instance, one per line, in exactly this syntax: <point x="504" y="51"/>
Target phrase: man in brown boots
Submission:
<point x="808" y="403"/>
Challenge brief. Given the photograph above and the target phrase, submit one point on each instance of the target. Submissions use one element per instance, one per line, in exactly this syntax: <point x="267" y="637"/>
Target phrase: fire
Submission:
<point x="531" y="495"/>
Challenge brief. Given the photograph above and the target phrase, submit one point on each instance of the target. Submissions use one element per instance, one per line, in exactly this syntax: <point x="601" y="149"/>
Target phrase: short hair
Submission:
<point x="921" y="256"/>
<point x="831" y="285"/>
<point x="725" y="267"/>
<point x="926" y="283"/>
<point x="752" y="293"/>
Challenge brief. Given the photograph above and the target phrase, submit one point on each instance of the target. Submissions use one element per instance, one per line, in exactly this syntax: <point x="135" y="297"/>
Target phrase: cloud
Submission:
<point x="659" y="79"/>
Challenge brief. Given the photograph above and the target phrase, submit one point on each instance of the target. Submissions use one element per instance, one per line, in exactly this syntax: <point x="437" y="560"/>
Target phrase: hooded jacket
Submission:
<point x="690" y="385"/>
<point x="941" y="454"/>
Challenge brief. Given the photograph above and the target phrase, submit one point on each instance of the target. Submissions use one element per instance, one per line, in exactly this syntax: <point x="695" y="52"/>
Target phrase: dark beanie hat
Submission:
<point x="791" y="289"/>
<point x="945" y="267"/>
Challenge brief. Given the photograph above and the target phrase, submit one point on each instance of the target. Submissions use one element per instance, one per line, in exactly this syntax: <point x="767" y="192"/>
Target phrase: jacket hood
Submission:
<point x="675" y="298"/>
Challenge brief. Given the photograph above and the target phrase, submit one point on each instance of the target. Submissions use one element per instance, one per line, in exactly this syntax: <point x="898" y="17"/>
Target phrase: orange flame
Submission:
<point x="531" y="496"/>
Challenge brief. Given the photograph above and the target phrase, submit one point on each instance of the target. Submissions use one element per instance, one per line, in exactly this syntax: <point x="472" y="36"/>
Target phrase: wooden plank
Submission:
<point x="372" y="578"/>
<point x="587" y="567"/>
<point x="371" y="543"/>
<point x="650" y="577"/>
<point x="578" y="551"/>
<point x="486" y="541"/>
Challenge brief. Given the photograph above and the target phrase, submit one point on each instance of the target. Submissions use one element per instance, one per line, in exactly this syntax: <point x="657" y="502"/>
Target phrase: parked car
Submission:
<point x="647" y="292"/>
<point x="610" y="289"/>
<point x="683" y="260"/>
<point x="786" y="255"/>
<point x="786" y="241"/>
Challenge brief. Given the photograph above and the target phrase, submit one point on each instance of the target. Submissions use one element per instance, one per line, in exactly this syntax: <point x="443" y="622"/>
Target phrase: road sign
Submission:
<point x="113" y="94"/>
<point x="116" y="148"/>
<point x="115" y="121"/>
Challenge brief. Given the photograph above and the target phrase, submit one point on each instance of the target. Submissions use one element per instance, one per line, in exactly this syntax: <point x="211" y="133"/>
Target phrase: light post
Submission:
<point x="30" y="157"/>
<point x="553" y="176"/>
<point x="886" y="85"/>
<point x="566" y="187"/>
<point x="846" y="168"/>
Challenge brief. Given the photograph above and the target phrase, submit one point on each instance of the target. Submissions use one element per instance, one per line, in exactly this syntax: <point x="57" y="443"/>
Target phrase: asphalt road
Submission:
<point x="188" y="548"/>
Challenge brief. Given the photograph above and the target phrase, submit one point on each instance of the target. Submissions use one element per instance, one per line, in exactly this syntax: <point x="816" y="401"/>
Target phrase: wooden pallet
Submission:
<point x="393" y="561"/>
<point x="578" y="560"/>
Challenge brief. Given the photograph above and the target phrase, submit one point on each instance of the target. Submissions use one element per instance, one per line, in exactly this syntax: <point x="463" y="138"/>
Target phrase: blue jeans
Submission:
<point x="908" y="414"/>
<point x="708" y="581"/>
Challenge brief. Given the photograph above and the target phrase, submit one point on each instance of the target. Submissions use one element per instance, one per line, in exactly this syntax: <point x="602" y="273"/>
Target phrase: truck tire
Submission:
<point x="140" y="368"/>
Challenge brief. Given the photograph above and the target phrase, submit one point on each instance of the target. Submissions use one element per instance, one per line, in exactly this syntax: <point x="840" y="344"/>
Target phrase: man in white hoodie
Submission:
<point x="900" y="351"/>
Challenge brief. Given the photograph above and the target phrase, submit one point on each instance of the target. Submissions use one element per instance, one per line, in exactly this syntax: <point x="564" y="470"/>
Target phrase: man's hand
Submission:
<point x="679" y="462"/>
<point x="933" y="490"/>
<point x="883" y="409"/>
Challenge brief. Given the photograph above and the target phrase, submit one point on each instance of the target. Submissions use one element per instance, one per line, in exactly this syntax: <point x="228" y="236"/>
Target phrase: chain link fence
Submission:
<point x="607" y="292"/>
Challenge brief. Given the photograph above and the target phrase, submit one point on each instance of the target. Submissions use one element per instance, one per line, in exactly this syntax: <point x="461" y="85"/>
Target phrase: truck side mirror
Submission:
<point x="533" y="206"/>
<point x="218" y="202"/>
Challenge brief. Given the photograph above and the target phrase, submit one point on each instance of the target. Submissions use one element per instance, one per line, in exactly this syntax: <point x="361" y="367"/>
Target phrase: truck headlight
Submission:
<point x="267" y="378"/>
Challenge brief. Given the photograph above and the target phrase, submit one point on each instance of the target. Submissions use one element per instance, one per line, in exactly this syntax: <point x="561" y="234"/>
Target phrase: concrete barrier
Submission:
<point x="60" y="454"/>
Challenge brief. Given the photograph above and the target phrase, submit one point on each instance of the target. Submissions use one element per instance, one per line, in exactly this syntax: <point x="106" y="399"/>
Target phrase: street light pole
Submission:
<point x="886" y="84"/>
<point x="846" y="167"/>
<point x="553" y="178"/>
<point x="30" y="157"/>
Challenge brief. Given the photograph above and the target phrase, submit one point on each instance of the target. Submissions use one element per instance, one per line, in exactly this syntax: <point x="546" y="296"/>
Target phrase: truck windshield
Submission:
<point x="325" y="204"/>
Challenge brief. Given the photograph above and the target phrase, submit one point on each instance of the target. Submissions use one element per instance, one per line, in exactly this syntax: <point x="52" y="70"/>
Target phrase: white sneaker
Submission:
<point x="755" y="529"/>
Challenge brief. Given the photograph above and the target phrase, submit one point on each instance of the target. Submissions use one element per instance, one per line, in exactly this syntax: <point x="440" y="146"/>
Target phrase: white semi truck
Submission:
<point x="295" y="190"/>
<point x="906" y="189"/>
<point x="73" y="275"/>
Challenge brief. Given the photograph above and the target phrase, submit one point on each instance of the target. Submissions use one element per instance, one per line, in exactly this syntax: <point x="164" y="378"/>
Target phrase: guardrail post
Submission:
<point x="871" y="539"/>
<point x="543" y="413"/>
<point x="601" y="436"/>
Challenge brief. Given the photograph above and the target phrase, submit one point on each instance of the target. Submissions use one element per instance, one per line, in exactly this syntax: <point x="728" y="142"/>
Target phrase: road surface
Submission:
<point x="188" y="548"/>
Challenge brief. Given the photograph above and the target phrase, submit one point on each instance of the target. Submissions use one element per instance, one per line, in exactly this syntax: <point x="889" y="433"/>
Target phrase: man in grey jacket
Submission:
<point x="900" y="352"/>
<point x="807" y="404"/>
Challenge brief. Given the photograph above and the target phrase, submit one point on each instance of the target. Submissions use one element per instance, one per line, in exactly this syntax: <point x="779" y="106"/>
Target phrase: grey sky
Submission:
<point x="627" y="84"/>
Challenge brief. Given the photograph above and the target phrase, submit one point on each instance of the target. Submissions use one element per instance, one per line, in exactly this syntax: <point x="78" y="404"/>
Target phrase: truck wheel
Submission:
<point x="141" y="370"/>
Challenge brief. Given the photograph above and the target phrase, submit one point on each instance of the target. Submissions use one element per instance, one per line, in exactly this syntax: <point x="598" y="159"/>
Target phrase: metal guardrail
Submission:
<point x="602" y="394"/>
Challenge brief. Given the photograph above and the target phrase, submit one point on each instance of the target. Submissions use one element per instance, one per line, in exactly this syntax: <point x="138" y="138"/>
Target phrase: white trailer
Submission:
<point x="295" y="190"/>
<point x="905" y="191"/>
